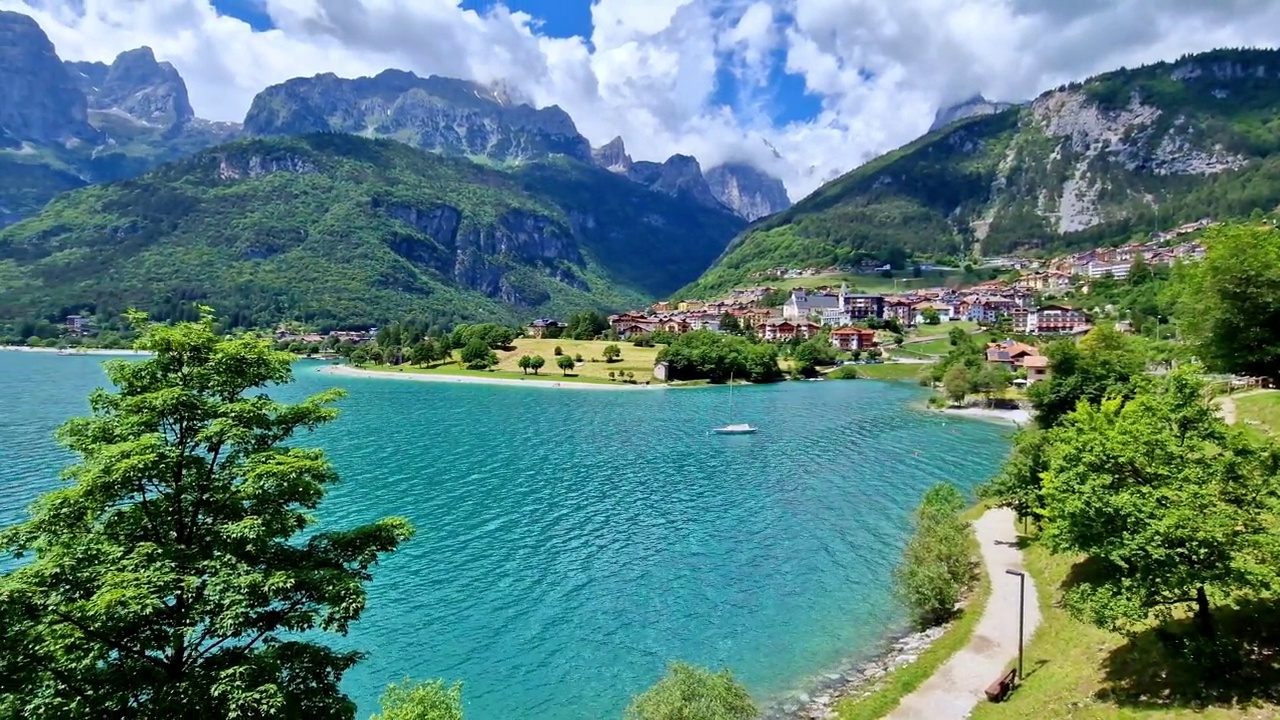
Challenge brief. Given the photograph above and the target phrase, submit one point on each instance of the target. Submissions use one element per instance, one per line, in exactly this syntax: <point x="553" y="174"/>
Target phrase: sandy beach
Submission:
<point x="549" y="382"/>
<point x="1017" y="417"/>
<point x="82" y="351"/>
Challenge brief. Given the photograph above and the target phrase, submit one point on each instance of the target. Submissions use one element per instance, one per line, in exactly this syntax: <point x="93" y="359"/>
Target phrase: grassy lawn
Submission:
<point x="636" y="360"/>
<point x="903" y="681"/>
<point x="938" y="346"/>
<point x="891" y="371"/>
<point x="1076" y="671"/>
<point x="868" y="283"/>
<point x="1261" y="411"/>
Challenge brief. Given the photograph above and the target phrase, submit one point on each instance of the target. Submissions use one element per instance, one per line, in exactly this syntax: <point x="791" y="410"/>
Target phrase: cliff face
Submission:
<point x="137" y="86"/>
<point x="38" y="100"/>
<point x="750" y="193"/>
<point x="1082" y="165"/>
<point x="444" y="115"/>
<point x="975" y="106"/>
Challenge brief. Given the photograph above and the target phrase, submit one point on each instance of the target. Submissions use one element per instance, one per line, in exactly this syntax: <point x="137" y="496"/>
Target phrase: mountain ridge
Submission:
<point x="1084" y="164"/>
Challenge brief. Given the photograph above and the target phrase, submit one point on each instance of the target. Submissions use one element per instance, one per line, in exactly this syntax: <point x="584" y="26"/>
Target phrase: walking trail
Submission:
<point x="1227" y="404"/>
<point x="958" y="686"/>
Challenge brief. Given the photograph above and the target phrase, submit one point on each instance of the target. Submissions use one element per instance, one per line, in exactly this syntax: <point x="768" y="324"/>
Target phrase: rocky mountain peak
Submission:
<point x="38" y="100"/>
<point x="971" y="107"/>
<point x="136" y="85"/>
<point x="612" y="156"/>
<point x="445" y="115"/>
<point x="680" y="175"/>
<point x="749" y="192"/>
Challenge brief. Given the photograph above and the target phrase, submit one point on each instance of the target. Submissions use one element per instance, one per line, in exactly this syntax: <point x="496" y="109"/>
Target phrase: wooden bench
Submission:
<point x="1001" y="688"/>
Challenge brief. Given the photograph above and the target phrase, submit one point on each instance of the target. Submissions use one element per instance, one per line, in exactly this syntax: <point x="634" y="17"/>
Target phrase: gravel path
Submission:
<point x="957" y="687"/>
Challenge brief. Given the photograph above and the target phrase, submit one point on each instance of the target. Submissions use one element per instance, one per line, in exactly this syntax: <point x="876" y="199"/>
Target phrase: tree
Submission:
<point x="525" y="362"/>
<point x="477" y="355"/>
<point x="612" y="376"/>
<point x="565" y="363"/>
<point x="536" y="363"/>
<point x="1228" y="305"/>
<point x="936" y="565"/>
<point x="688" y="692"/>
<point x="957" y="336"/>
<point x="994" y="379"/>
<point x="1104" y="363"/>
<point x="586" y="325"/>
<point x="431" y="700"/>
<point x="729" y="323"/>
<point x="931" y="316"/>
<point x="557" y="351"/>
<point x="611" y="353"/>
<point x="1171" y="505"/>
<point x="702" y="354"/>
<point x="957" y="382"/>
<point x="179" y="573"/>
<point x="1020" y="482"/>
<point x="359" y="356"/>
<point x="420" y="353"/>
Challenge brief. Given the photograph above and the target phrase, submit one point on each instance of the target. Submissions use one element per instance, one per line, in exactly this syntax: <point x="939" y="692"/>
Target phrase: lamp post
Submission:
<point x="1022" y="604"/>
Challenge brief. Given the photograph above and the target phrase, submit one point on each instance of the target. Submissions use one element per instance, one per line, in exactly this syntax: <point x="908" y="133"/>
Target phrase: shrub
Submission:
<point x="558" y="351"/>
<point x="937" y="566"/>
<point x="844" y="372"/>
<point x="430" y="700"/>
<point x="687" y="692"/>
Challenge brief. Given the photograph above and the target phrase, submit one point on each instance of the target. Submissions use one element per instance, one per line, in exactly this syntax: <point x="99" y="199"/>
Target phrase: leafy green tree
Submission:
<point x="586" y="325"/>
<point x="565" y="363"/>
<point x="420" y="353"/>
<point x="729" y="323"/>
<point x="536" y="363"/>
<point x="476" y="355"/>
<point x="179" y="572"/>
<point x="688" y="692"/>
<point x="611" y="353"/>
<point x="937" y="565"/>
<point x="957" y="336"/>
<point x="957" y="383"/>
<point x="359" y="356"/>
<point x="1172" y="506"/>
<point x="993" y="380"/>
<point x="1229" y="303"/>
<point x="525" y="362"/>
<point x="702" y="354"/>
<point x="557" y="351"/>
<point x="432" y="700"/>
<point x="931" y="316"/>
<point x="1020" y="482"/>
<point x="1104" y="363"/>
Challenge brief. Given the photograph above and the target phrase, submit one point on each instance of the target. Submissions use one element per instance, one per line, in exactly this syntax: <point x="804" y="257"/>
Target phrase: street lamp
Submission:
<point x="1022" y="604"/>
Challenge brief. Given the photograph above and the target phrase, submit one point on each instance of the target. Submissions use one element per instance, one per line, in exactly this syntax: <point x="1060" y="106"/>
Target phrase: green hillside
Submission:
<point x="1083" y="165"/>
<point x="339" y="230"/>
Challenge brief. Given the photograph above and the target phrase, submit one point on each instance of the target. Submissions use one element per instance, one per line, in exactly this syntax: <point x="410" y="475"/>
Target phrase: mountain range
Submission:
<point x="1083" y="164"/>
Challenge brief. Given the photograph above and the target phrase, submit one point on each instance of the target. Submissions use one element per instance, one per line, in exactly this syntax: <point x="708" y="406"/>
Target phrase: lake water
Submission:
<point x="570" y="543"/>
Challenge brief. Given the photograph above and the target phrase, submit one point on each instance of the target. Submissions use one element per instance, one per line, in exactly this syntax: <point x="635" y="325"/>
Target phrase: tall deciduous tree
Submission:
<point x="167" y="578"/>
<point x="1104" y="363"/>
<point x="1170" y="504"/>
<point x="1229" y="304"/>
<point x="937" y="565"/>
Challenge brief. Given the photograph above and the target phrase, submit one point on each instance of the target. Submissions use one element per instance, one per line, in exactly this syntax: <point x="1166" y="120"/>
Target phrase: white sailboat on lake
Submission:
<point x="735" y="428"/>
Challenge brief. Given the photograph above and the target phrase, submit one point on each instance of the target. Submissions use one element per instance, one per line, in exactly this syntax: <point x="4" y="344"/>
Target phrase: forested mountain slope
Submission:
<point x="340" y="230"/>
<point x="1083" y="164"/>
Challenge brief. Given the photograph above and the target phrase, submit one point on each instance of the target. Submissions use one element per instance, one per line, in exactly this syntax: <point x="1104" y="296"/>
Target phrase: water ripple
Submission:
<point x="570" y="543"/>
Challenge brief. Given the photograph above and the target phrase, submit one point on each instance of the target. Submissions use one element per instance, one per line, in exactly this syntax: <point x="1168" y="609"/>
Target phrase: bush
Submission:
<point x="478" y="356"/>
<point x="937" y="566"/>
<point x="422" y="701"/>
<point x="687" y="692"/>
<point x="557" y="352"/>
<point x="844" y="372"/>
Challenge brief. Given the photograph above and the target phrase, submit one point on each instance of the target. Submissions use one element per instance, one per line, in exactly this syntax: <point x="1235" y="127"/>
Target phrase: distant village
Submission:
<point x="848" y="314"/>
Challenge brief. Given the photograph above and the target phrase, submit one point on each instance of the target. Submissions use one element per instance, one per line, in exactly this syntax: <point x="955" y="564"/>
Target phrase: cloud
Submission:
<point x="654" y="72"/>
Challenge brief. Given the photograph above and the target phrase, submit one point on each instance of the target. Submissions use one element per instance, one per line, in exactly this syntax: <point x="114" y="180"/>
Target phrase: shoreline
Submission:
<point x="78" y="352"/>
<point x="854" y="678"/>
<point x="1017" y="417"/>
<point x="549" y="382"/>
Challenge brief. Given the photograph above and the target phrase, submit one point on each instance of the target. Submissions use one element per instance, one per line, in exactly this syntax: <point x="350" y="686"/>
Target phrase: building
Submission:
<point x="945" y="311"/>
<point x="800" y="304"/>
<point x="848" y="339"/>
<point x="1011" y="353"/>
<point x="782" y="329"/>
<point x="1056" y="320"/>
<point x="1037" y="367"/>
<point x="539" y="328"/>
<point x="77" y="325"/>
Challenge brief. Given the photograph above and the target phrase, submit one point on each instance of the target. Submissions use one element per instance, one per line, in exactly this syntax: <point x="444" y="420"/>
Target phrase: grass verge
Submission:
<point x="890" y="690"/>
<point x="890" y="371"/>
<point x="1076" y="671"/>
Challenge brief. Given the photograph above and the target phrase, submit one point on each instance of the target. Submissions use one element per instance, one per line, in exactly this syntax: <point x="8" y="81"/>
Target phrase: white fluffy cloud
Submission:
<point x="650" y="70"/>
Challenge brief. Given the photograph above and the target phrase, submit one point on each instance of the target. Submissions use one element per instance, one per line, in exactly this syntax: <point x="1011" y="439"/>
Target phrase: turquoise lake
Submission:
<point x="571" y="542"/>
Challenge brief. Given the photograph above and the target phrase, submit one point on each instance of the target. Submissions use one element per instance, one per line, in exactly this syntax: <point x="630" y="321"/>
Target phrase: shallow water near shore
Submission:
<point x="570" y="544"/>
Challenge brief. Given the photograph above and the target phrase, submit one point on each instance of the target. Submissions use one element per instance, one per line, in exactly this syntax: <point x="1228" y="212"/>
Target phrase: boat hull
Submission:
<point x="734" y="430"/>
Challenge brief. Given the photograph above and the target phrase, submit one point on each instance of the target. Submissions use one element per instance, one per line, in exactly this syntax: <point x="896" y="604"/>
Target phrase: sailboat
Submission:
<point x="736" y="428"/>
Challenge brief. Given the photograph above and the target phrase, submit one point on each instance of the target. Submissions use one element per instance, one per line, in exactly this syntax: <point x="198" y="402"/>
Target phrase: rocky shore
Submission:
<point x="855" y="679"/>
